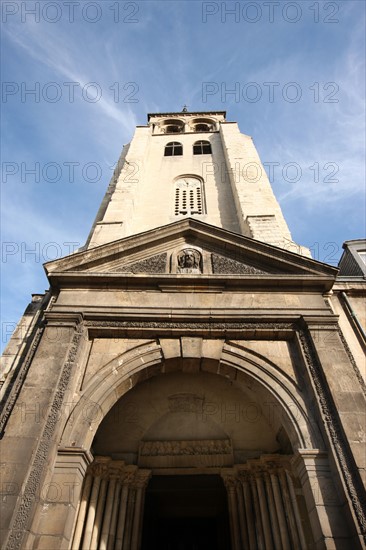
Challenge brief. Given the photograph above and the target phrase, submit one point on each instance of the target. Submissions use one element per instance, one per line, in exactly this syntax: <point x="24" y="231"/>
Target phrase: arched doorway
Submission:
<point x="187" y="458"/>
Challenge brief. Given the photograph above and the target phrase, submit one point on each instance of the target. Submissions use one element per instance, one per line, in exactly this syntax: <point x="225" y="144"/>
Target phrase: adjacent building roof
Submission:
<point x="353" y="260"/>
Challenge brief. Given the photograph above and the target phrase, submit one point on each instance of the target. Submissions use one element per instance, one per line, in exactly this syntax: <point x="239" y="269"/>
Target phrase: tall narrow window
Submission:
<point x="173" y="149"/>
<point x="202" y="148"/>
<point x="189" y="196"/>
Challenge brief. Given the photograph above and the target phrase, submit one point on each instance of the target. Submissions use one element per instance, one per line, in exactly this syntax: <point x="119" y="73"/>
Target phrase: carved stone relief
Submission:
<point x="189" y="260"/>
<point x="186" y="453"/>
<point x="222" y="265"/>
<point x="154" y="264"/>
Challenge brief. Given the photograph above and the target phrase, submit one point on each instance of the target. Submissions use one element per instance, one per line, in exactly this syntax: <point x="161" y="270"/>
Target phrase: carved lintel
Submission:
<point x="210" y="452"/>
<point x="187" y="447"/>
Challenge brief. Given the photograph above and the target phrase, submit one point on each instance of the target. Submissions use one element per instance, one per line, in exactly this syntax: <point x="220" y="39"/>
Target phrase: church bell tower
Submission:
<point x="191" y="165"/>
<point x="186" y="381"/>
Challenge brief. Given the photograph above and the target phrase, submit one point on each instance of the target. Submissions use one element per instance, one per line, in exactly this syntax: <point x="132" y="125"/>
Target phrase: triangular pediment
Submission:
<point x="188" y="247"/>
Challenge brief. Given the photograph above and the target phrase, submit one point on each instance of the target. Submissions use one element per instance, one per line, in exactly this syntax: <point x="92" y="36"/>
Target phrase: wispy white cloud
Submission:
<point x="51" y="51"/>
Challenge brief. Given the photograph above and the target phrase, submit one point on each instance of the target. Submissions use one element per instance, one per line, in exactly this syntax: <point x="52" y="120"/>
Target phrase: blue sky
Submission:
<point x="296" y="75"/>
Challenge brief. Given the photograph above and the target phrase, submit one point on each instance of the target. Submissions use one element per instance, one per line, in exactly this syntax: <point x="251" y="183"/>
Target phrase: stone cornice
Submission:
<point x="190" y="282"/>
<point x="186" y="113"/>
<point x="213" y="239"/>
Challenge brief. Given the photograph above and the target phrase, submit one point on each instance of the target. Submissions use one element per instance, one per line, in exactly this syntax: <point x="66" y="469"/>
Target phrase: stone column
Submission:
<point x="113" y="526"/>
<point x="99" y="514"/>
<point x="264" y="512"/>
<point x="129" y="517"/>
<point x="115" y="471"/>
<point x="244" y="479"/>
<point x="128" y="476"/>
<point x="82" y="512"/>
<point x="141" y="482"/>
<point x="296" y="511"/>
<point x="107" y="514"/>
<point x="91" y="513"/>
<point x="122" y="516"/>
<point x="99" y="470"/>
<point x="280" y="512"/>
<point x="230" y="483"/>
<point x="289" y="510"/>
<point x="242" y="519"/>
<point x="273" y="513"/>
<point x="257" y="515"/>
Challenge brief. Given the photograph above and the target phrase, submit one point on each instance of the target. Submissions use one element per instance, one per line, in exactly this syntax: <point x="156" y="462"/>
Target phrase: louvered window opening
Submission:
<point x="188" y="200"/>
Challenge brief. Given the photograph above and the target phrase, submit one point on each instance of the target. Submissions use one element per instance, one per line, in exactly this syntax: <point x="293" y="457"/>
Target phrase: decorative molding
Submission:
<point x="186" y="453"/>
<point x="186" y="447"/>
<point x="27" y="499"/>
<point x="131" y="475"/>
<point x="154" y="264"/>
<point x="190" y="325"/>
<point x="226" y="266"/>
<point x="52" y="301"/>
<point x="354" y="485"/>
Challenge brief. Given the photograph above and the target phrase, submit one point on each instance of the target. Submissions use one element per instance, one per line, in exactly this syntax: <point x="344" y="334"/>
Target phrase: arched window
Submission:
<point x="189" y="196"/>
<point x="173" y="149"/>
<point x="172" y="126"/>
<point x="202" y="128"/>
<point x="202" y="125"/>
<point x="173" y="129"/>
<point x="202" y="148"/>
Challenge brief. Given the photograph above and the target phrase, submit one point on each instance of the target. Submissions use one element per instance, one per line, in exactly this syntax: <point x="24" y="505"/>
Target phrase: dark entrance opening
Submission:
<point x="186" y="512"/>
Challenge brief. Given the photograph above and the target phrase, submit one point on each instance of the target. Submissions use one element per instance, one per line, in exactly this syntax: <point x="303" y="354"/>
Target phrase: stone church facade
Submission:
<point x="192" y="379"/>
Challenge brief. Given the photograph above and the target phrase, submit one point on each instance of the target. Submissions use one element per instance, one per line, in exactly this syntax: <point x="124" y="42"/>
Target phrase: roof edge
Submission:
<point x="187" y="113"/>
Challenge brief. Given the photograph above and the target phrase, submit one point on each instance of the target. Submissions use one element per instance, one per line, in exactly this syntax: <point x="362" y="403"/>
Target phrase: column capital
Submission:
<point x="100" y="466"/>
<point x="116" y="469"/>
<point x="128" y="475"/>
<point x="142" y="478"/>
<point x="230" y="479"/>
